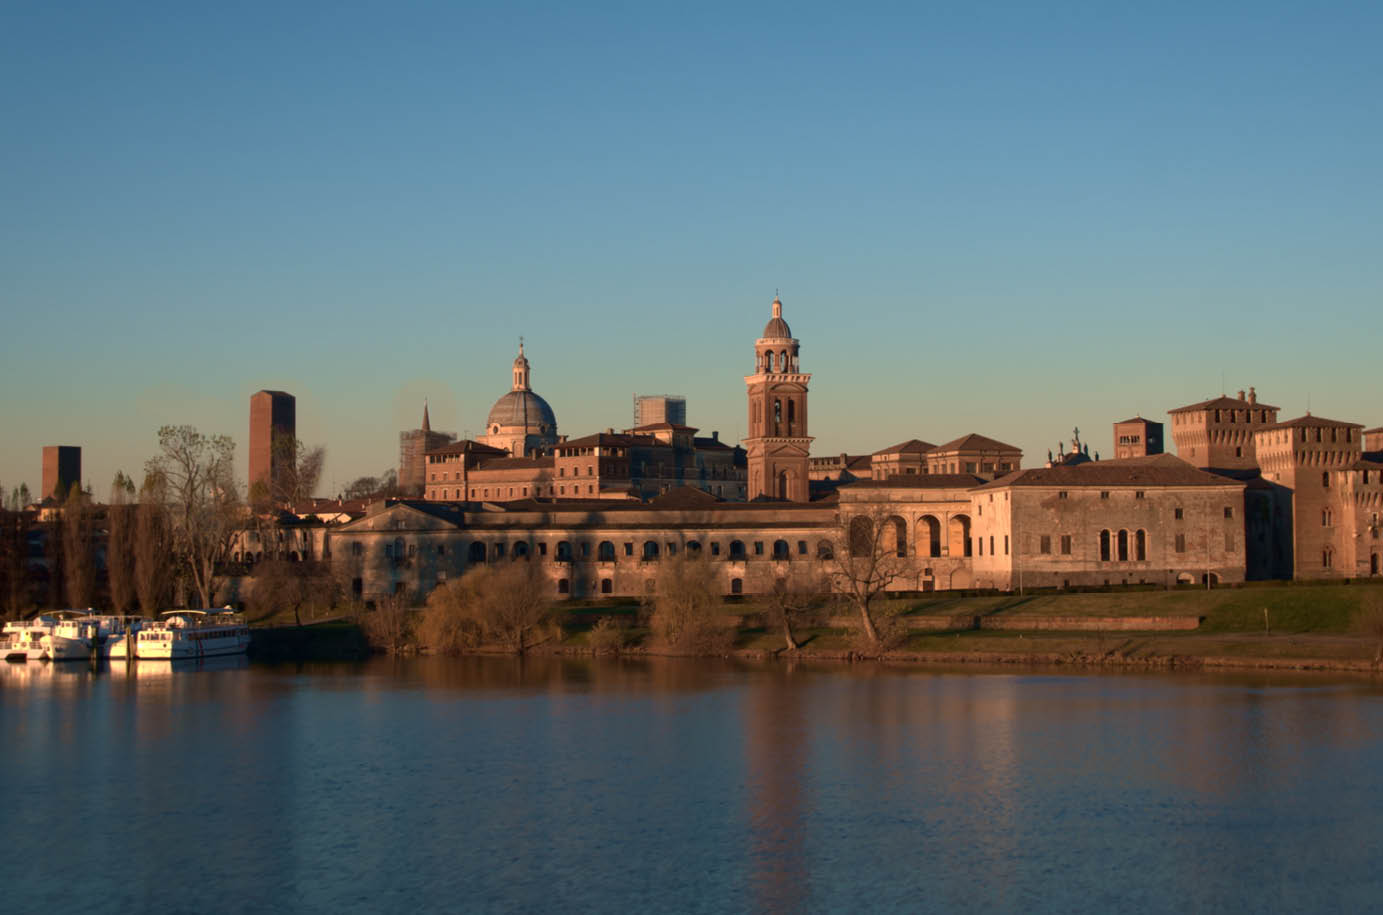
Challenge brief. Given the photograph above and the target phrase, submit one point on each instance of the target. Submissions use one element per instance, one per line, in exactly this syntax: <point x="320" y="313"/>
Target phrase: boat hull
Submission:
<point x="61" y="648"/>
<point x="195" y="644"/>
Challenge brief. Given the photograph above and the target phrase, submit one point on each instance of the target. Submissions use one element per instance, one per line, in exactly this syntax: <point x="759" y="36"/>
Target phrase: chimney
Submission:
<point x="1253" y="395"/>
<point x="1241" y="394"/>
<point x="715" y="435"/>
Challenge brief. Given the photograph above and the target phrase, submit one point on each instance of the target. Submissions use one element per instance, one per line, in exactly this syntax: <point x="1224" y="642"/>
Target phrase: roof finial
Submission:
<point x="427" y="426"/>
<point x="520" y="344"/>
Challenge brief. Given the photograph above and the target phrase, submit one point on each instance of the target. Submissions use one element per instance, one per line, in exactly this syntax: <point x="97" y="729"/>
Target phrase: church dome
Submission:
<point x="522" y="408"/>
<point x="777" y="328"/>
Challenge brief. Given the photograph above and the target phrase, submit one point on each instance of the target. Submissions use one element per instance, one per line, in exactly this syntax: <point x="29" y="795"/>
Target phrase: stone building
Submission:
<point x="974" y="454"/>
<point x="926" y="518"/>
<point x="1219" y="434"/>
<point x="1152" y="520"/>
<point x="62" y="467"/>
<point x="273" y="438"/>
<point x="414" y="445"/>
<point x="521" y="422"/>
<point x="778" y="445"/>
<point x="1137" y="437"/>
<point x="903" y="459"/>
<point x="829" y="471"/>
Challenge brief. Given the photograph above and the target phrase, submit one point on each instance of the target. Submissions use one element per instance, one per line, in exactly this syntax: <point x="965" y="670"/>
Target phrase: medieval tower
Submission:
<point x="778" y="444"/>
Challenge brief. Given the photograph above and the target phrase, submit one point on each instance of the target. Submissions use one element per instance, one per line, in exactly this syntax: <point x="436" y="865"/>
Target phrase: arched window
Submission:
<point x="650" y="550"/>
<point x="781" y="550"/>
<point x="895" y="536"/>
<point x="777" y="411"/>
<point x="521" y="550"/>
<point x="768" y="361"/>
<point x="605" y="552"/>
<point x="1141" y="545"/>
<point x="824" y="550"/>
<point x="792" y="414"/>
<point x="607" y="586"/>
<point x="1104" y="546"/>
<point x="476" y="553"/>
<point x="1123" y="546"/>
<point x="928" y="536"/>
<point x="693" y="547"/>
<point x="960" y="535"/>
<point x="783" y="361"/>
<point x="563" y="551"/>
<point x="784" y="485"/>
<point x="862" y="535"/>
<point x="736" y="549"/>
<point x="737" y="586"/>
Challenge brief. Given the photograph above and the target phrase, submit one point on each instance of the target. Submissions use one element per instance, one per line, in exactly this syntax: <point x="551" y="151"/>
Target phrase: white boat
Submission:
<point x="118" y="638"/>
<point x="24" y="639"/>
<point x="72" y="639"/>
<point x="193" y="634"/>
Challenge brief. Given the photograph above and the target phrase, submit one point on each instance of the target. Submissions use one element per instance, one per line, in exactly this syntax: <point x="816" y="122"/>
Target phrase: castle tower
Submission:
<point x="273" y="435"/>
<point x="778" y="444"/>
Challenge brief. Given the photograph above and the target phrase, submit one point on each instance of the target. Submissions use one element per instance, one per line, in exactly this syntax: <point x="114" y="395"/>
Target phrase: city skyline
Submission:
<point x="1004" y="221"/>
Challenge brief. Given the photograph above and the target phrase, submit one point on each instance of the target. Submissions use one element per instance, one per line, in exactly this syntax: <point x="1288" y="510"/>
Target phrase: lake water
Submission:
<point x="557" y="785"/>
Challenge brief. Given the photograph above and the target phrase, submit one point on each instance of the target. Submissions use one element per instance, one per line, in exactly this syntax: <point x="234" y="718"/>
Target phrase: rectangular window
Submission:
<point x="1104" y="495"/>
<point x="542" y="549"/>
<point x="758" y="547"/>
<point x="715" y="549"/>
<point x="1062" y="494"/>
<point x="980" y="541"/>
<point x="1005" y="544"/>
<point x="1177" y="513"/>
<point x="1229" y="511"/>
<point x="629" y="549"/>
<point x="1066" y="544"/>
<point x="1181" y="543"/>
<point x="1138" y="494"/>
<point x="1045" y="544"/>
<point x="801" y="548"/>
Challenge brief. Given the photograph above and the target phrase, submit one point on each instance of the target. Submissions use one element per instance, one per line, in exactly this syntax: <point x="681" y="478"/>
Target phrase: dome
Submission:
<point x="522" y="408"/>
<point x="777" y="328"/>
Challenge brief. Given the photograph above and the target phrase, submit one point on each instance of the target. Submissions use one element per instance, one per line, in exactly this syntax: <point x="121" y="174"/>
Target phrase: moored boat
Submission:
<point x="193" y="634"/>
<point x="23" y="640"/>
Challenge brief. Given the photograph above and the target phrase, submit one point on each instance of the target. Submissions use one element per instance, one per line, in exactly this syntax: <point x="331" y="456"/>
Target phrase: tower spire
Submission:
<point x="427" y="426"/>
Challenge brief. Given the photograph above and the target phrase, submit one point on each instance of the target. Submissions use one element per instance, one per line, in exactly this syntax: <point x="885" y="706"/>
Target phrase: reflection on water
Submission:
<point x="574" y="784"/>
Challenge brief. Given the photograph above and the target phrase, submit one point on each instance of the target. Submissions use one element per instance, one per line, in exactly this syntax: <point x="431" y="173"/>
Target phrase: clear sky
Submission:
<point x="1003" y="218"/>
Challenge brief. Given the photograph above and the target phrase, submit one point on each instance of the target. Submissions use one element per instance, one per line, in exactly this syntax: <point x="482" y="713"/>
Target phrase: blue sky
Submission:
<point x="1003" y="218"/>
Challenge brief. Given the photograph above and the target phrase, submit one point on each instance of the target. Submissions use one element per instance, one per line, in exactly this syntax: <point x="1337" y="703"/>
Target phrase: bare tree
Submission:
<point x="78" y="562"/>
<point x="390" y="626"/>
<point x="865" y="560"/>
<point x="687" y="606"/>
<point x="120" y="527"/>
<point x="280" y="585"/>
<point x="197" y="474"/>
<point x="384" y="486"/>
<point x="297" y="472"/>
<point x="500" y="603"/>
<point x="790" y="602"/>
<point x="153" y="549"/>
<point x="450" y="623"/>
<point x="14" y="554"/>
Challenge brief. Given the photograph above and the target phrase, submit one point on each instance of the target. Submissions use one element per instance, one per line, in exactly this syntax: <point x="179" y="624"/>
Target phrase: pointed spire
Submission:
<point x="427" y="426"/>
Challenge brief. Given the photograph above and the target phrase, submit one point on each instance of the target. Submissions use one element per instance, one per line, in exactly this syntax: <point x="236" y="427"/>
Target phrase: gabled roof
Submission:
<point x="467" y="446"/>
<point x="920" y="481"/>
<point x="1311" y="422"/>
<point x="974" y="442"/>
<point x="911" y="446"/>
<point x="1139" y="419"/>
<point x="1154" y="470"/>
<point x="663" y="427"/>
<point x="1224" y="403"/>
<point x="608" y="439"/>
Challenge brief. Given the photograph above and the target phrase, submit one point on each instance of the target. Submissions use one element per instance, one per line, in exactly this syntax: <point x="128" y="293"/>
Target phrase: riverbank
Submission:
<point x="1270" y="627"/>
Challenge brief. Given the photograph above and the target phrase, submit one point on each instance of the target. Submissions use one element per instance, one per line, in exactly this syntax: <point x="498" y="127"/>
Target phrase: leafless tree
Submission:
<point x="153" y="549"/>
<point x="14" y="554"/>
<point x="790" y="602"/>
<point x="688" y="606"/>
<point x="384" y="486"/>
<point x="505" y="603"/>
<point x="389" y="627"/>
<point x="120" y="528"/>
<point x="865" y="560"/>
<point x="298" y="471"/>
<point x="280" y="585"/>
<point x="77" y="544"/>
<point x="197" y="473"/>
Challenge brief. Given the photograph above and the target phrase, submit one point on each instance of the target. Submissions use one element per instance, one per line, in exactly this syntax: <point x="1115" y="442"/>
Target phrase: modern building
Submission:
<point x="655" y="409"/>
<point x="62" y="467"/>
<point x="273" y="438"/>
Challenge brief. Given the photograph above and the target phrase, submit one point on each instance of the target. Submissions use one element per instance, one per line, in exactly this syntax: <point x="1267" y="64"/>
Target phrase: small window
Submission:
<point x="1177" y="513"/>
<point x="1104" y="494"/>
<point x="737" y="586"/>
<point x="1229" y="511"/>
<point x="1062" y="494"/>
<point x="607" y="586"/>
<point x="1181" y="543"/>
<point x="715" y="548"/>
<point x="1138" y="494"/>
<point x="1325" y="479"/>
<point x="758" y="547"/>
<point x="801" y="548"/>
<point x="1066" y="544"/>
<point x="1045" y="544"/>
<point x="628" y="549"/>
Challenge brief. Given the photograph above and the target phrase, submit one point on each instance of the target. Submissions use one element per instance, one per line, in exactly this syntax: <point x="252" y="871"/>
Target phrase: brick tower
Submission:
<point x="778" y="444"/>
<point x="273" y="419"/>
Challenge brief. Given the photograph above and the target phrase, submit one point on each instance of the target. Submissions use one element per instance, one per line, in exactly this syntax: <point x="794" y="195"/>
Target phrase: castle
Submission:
<point x="1246" y="497"/>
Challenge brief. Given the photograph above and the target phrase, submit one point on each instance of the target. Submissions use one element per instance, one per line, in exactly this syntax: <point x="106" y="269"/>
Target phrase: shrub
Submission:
<point x="389" y="627"/>
<point x="606" y="637"/>
<point x="687" y="607"/>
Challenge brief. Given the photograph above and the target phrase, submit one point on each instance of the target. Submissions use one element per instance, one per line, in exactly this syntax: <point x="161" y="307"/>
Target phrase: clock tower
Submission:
<point x="778" y="443"/>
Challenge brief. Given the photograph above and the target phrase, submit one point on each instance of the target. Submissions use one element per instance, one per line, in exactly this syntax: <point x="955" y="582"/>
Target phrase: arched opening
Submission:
<point x="693" y="547"/>
<point x="959" y="530"/>
<point x="1213" y="579"/>
<point x="928" y="536"/>
<point x="780" y="550"/>
<point x="607" y="586"/>
<point x="650" y="550"/>
<point x="737" y="549"/>
<point x="563" y="551"/>
<point x="784" y="479"/>
<point x="824" y="550"/>
<point x="895" y="536"/>
<point x="1373" y="564"/>
<point x="520" y="550"/>
<point x="783" y="361"/>
<point x="1123" y="546"/>
<point x="737" y="586"/>
<point x="777" y="416"/>
<point x="1104" y="546"/>
<point x="1140" y="545"/>
<point x="861" y="536"/>
<point x="792" y="415"/>
<point x="476" y="553"/>
<point x="605" y="552"/>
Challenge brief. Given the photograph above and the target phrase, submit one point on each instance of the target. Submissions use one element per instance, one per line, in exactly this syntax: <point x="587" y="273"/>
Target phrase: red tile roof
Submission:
<point x="1224" y="403"/>
<point x="973" y="442"/>
<point x="1154" y="470"/>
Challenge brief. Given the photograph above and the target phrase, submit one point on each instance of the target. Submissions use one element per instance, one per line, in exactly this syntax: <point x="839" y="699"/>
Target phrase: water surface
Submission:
<point x="493" y="785"/>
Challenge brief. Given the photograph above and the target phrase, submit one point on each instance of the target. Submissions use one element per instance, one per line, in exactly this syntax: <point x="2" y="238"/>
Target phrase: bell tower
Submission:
<point x="778" y="444"/>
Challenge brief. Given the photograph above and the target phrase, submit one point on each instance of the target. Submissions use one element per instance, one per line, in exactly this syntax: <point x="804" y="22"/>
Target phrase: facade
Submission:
<point x="654" y="409"/>
<point x="273" y="437"/>
<point x="414" y="445"/>
<point x="521" y="423"/>
<point x="974" y="454"/>
<point x="1219" y="434"/>
<point x="62" y="466"/>
<point x="903" y="459"/>
<point x="1137" y="437"/>
<point x="778" y="445"/>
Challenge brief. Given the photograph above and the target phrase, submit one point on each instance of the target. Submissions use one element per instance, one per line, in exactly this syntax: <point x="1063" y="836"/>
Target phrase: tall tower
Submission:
<point x="273" y="434"/>
<point x="778" y="444"/>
